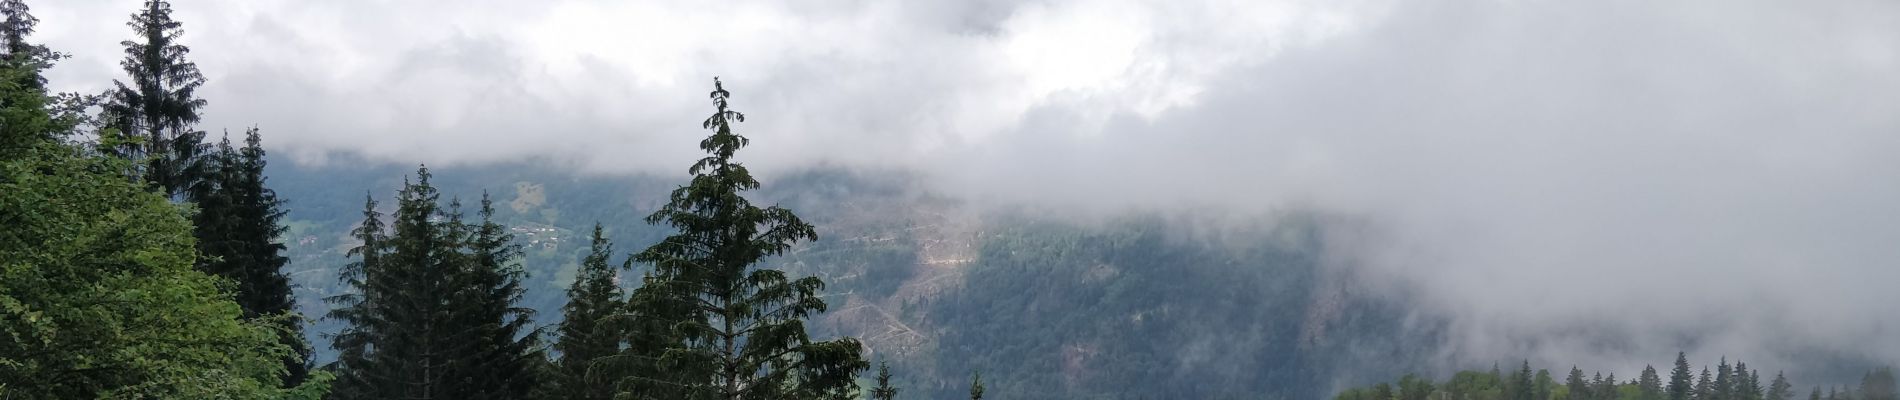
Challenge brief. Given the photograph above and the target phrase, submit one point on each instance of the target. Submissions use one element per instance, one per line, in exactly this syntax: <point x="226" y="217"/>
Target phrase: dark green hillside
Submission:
<point x="1139" y="306"/>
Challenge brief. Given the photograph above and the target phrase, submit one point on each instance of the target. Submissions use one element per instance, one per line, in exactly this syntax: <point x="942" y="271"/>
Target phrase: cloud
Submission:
<point x="1570" y="181"/>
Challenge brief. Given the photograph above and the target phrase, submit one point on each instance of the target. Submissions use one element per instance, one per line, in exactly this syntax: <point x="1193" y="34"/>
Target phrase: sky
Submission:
<point x="1581" y="182"/>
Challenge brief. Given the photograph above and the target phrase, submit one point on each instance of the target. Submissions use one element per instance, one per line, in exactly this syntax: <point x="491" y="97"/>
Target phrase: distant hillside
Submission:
<point x="1136" y="306"/>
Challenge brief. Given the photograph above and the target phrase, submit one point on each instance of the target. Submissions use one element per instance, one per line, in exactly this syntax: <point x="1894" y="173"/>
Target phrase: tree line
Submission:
<point x="1726" y="382"/>
<point x="140" y="261"/>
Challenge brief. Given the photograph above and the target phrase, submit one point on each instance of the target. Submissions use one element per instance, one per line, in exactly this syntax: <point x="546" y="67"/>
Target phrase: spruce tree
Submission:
<point x="1705" y="387"/>
<point x="1724" y="388"/>
<point x="161" y="104"/>
<point x="1521" y="386"/>
<point x="1579" y="389"/>
<point x="1816" y="394"/>
<point x="1879" y="384"/>
<point x="1780" y="389"/>
<point x="16" y="24"/>
<point x="883" y="390"/>
<point x="237" y="227"/>
<point x="742" y="334"/>
<point x="500" y="365"/>
<point x="976" y="386"/>
<point x="1650" y="384"/>
<point x="29" y="117"/>
<point x="1679" y="379"/>
<point x="586" y="332"/>
<point x="435" y="314"/>
<point x="353" y="365"/>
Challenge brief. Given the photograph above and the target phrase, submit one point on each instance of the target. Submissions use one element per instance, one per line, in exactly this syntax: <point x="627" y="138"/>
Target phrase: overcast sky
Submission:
<point x="1642" y="171"/>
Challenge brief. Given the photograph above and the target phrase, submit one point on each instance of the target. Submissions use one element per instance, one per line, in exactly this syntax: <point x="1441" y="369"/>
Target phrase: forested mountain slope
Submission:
<point x="1138" y="305"/>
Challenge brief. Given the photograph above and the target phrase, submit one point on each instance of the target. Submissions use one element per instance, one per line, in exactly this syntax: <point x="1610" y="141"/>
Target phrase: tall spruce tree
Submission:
<point x="1780" y="389"/>
<point x="883" y="390"/>
<point x="1521" y="386"/>
<point x="1724" y="388"/>
<point x="1704" y="387"/>
<point x="27" y="114"/>
<point x="506" y="344"/>
<point x="1579" y="389"/>
<point x="237" y="227"/>
<point x="741" y="334"/>
<point x="1650" y="384"/>
<point x="16" y="24"/>
<point x="435" y="314"/>
<point x="361" y="322"/>
<point x="586" y="330"/>
<point x="161" y="104"/>
<point x="1680" y="384"/>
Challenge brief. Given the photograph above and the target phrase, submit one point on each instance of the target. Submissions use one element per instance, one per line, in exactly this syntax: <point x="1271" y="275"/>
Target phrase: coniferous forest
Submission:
<point x="144" y="256"/>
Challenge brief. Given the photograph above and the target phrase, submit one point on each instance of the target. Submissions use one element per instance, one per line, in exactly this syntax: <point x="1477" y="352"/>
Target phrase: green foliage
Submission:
<point x="1680" y="386"/>
<point x="237" y="227"/>
<point x="733" y="330"/>
<point x="976" y="386"/>
<point x="434" y="316"/>
<point x="98" y="298"/>
<point x="587" y="330"/>
<point x="160" y="105"/>
<point x="883" y="390"/>
<point x="1742" y="384"/>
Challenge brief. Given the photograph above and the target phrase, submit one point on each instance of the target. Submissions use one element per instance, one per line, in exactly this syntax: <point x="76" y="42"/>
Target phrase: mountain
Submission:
<point x="1043" y="303"/>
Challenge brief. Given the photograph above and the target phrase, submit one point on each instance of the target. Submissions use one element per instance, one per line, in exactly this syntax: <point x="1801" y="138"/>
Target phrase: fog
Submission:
<point x="1601" y="183"/>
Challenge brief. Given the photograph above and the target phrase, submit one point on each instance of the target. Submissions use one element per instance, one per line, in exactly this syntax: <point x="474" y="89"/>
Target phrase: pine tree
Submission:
<point x="1679" y="379"/>
<point x="161" y="103"/>
<point x="743" y="333"/>
<point x="1816" y="394"/>
<point x="976" y="386"/>
<point x="883" y="390"/>
<point x="586" y="330"/>
<point x="1650" y="384"/>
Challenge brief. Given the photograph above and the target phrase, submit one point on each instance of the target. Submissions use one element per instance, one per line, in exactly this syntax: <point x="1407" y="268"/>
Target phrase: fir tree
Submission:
<point x="161" y="104"/>
<point x="1724" y="388"/>
<point x="742" y="334"/>
<point x="586" y="332"/>
<point x="883" y="390"/>
<point x="1679" y="379"/>
<point x="1650" y="384"/>
<point x="500" y="365"/>
<point x="237" y="227"/>
<point x="1780" y="389"/>
<point x="1879" y="385"/>
<point x="16" y="24"/>
<point x="1704" y="387"/>
<point x="1579" y="389"/>
<point x="435" y="314"/>
<point x="1521" y="387"/>
<point x="353" y="365"/>
<point x="976" y="386"/>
